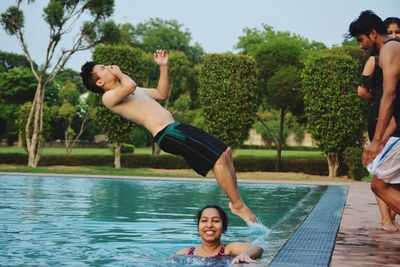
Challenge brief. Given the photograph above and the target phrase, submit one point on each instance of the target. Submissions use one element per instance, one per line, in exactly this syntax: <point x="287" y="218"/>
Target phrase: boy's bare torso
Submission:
<point x="140" y="108"/>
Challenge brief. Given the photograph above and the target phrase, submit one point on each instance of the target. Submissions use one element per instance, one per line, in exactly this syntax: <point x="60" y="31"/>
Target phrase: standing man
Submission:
<point x="383" y="153"/>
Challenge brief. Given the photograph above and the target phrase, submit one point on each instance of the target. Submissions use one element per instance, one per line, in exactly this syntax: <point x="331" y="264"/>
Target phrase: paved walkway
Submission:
<point x="360" y="242"/>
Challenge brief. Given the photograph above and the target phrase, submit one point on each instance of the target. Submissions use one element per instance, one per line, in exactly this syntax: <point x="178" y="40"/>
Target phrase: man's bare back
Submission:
<point x="140" y="108"/>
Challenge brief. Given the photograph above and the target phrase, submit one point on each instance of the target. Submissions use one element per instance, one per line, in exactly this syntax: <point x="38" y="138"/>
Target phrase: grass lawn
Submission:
<point x="147" y="150"/>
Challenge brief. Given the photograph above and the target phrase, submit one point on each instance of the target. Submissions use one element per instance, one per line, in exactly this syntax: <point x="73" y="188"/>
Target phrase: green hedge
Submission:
<point x="242" y="163"/>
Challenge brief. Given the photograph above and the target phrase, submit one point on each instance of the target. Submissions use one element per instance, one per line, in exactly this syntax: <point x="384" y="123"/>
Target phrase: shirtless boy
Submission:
<point x="201" y="150"/>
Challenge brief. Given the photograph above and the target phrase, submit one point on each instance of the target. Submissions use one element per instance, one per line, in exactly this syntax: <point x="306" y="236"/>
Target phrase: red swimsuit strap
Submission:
<point x="221" y="252"/>
<point x="191" y="251"/>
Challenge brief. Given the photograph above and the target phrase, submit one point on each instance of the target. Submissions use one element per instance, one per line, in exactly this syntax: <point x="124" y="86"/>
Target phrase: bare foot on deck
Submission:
<point x="244" y="212"/>
<point x="389" y="227"/>
<point x="396" y="224"/>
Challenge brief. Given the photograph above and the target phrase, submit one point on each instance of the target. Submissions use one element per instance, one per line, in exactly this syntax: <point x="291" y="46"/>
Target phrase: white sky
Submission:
<point x="215" y="24"/>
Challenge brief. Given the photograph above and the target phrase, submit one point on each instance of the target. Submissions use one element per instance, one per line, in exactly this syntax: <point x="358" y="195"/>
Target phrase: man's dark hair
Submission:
<point x="89" y="79"/>
<point x="365" y="23"/>
<point x="221" y="212"/>
<point x="391" y="20"/>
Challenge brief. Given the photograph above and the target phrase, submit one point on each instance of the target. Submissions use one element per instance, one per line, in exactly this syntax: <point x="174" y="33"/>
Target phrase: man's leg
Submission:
<point x="389" y="193"/>
<point x="386" y="217"/>
<point x="226" y="177"/>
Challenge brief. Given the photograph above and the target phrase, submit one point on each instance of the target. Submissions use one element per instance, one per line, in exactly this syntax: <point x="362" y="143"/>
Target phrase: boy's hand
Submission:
<point x="161" y="57"/>
<point x="114" y="69"/>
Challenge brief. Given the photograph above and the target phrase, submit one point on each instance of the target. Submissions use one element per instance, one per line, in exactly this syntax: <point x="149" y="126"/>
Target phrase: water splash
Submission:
<point x="258" y="229"/>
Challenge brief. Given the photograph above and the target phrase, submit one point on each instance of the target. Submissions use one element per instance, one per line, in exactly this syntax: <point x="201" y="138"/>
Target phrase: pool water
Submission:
<point x="52" y="221"/>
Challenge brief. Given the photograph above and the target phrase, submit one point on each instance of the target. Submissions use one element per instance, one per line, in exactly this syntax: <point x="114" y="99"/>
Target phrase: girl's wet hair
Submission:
<point x="222" y="214"/>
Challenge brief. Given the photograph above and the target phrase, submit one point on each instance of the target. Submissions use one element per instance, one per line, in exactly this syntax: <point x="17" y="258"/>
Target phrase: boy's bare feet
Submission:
<point x="243" y="212"/>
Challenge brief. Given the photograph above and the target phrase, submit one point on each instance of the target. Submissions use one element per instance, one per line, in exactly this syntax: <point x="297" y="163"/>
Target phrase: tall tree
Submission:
<point x="284" y="93"/>
<point x="279" y="56"/>
<point x="332" y="107"/>
<point x="60" y="16"/>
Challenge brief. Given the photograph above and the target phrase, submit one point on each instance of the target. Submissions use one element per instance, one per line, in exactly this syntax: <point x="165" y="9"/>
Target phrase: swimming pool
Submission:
<point x="50" y="221"/>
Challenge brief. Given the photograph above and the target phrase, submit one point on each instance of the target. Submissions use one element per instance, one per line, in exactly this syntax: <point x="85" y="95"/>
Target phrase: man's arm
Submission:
<point x="125" y="87"/>
<point x="389" y="61"/>
<point x="162" y="90"/>
<point x="390" y="78"/>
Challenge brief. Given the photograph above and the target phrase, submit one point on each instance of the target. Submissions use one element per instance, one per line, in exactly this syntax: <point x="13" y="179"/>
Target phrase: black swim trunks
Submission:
<point x="200" y="149"/>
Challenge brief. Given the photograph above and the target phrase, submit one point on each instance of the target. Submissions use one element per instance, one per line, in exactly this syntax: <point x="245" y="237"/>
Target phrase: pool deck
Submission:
<point x="359" y="241"/>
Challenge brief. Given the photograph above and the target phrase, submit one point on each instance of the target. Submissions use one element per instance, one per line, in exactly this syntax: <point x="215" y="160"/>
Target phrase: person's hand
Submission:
<point x="242" y="258"/>
<point x="114" y="69"/>
<point x="161" y="57"/>
<point x="371" y="151"/>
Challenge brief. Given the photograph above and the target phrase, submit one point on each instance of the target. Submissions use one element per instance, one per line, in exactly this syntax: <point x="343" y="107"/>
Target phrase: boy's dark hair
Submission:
<point x="89" y="79"/>
<point x="391" y="20"/>
<point x="365" y="23"/>
<point x="221" y="212"/>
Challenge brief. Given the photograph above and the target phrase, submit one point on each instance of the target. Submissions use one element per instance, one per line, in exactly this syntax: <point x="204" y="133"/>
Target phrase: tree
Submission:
<point x="11" y="60"/>
<point x="72" y="107"/>
<point x="279" y="57"/>
<point x="284" y="92"/>
<point x="157" y="33"/>
<point x="117" y="128"/>
<point x="17" y="86"/>
<point x="332" y="107"/>
<point x="61" y="16"/>
<point x="228" y="96"/>
<point x="179" y="74"/>
<point x="23" y="114"/>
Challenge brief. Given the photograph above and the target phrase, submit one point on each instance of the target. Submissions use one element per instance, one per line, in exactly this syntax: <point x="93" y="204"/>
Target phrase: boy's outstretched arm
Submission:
<point x="162" y="90"/>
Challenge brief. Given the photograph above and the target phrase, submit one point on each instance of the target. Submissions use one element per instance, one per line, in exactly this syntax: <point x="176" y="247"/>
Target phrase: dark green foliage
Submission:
<point x="333" y="108"/>
<point x="11" y="60"/>
<point x="352" y="157"/>
<point x="242" y="163"/>
<point x="228" y="96"/>
<point x="130" y="60"/>
<point x="12" y="20"/>
<point x="157" y="33"/>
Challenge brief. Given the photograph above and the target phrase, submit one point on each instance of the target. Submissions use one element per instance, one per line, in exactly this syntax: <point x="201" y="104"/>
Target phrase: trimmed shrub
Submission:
<point x="228" y="96"/>
<point x="352" y="157"/>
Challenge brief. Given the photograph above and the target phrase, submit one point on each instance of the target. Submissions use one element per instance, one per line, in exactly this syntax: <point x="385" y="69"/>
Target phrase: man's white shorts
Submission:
<point x="386" y="165"/>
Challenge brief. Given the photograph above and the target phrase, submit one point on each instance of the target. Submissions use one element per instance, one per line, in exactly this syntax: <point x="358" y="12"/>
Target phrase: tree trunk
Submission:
<point x="117" y="155"/>
<point x="34" y="140"/>
<point x="84" y="121"/>
<point x="333" y="164"/>
<point x="280" y="142"/>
